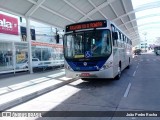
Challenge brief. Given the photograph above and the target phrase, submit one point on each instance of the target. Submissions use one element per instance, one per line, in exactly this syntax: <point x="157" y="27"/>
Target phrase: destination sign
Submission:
<point x="86" y="25"/>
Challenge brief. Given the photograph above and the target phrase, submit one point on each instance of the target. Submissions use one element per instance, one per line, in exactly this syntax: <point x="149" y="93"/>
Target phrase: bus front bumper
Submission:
<point x="107" y="73"/>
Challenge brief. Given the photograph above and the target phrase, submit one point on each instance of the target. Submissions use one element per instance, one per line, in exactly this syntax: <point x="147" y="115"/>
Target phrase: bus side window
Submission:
<point x="127" y="44"/>
<point x="123" y="41"/>
<point x="112" y="29"/>
<point x="118" y="41"/>
<point x="113" y="35"/>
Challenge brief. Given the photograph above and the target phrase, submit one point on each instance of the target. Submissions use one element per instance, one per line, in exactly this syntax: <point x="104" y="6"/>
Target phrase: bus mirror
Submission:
<point x="115" y="35"/>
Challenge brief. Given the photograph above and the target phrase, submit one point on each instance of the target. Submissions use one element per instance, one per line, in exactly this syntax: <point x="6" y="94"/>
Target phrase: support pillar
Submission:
<point x="29" y="44"/>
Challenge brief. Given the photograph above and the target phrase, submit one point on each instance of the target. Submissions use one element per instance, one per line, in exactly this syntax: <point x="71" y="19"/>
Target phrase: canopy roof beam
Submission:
<point x="70" y="4"/>
<point x="144" y="25"/>
<point x="52" y="11"/>
<point x="141" y="8"/>
<point x="97" y="9"/>
<point x="117" y="15"/>
<point x="147" y="16"/>
<point x="35" y="7"/>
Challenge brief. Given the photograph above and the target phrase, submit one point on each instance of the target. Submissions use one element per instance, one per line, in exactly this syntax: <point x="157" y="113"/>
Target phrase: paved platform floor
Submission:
<point x="19" y="89"/>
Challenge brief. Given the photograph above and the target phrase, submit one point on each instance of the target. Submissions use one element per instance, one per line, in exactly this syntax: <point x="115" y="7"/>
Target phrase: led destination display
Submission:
<point x="86" y="25"/>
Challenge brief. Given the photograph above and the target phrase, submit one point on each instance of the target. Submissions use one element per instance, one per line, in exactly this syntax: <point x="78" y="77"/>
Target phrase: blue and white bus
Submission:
<point x="96" y="49"/>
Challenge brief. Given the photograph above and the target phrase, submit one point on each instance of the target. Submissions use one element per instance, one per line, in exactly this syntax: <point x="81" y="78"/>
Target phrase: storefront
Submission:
<point x="14" y="46"/>
<point x="49" y="55"/>
<point x="11" y="53"/>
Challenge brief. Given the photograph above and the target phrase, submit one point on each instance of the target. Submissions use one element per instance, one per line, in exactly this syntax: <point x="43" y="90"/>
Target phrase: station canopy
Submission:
<point x="134" y="17"/>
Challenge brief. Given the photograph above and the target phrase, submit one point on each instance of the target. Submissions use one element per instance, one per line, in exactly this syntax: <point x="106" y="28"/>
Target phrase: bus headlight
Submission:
<point x="68" y="67"/>
<point x="107" y="65"/>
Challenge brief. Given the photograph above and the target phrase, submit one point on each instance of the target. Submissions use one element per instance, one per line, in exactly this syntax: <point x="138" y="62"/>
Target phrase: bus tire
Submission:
<point x="128" y="64"/>
<point x="128" y="67"/>
<point x="119" y="73"/>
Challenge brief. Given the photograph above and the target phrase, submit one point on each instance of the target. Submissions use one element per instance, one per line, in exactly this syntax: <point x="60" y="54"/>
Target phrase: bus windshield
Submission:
<point x="87" y="44"/>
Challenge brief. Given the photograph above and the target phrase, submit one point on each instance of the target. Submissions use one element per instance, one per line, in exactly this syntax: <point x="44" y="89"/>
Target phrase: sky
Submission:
<point x="148" y="20"/>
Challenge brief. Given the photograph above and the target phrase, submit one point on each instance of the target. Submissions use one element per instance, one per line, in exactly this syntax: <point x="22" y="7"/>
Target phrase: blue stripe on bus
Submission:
<point x="91" y="66"/>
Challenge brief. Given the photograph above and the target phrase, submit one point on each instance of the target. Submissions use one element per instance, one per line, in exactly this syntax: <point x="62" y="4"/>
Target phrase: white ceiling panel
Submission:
<point x="128" y="5"/>
<point x="55" y="5"/>
<point x="129" y="25"/>
<point x="98" y="2"/>
<point x="59" y="21"/>
<point x="134" y="23"/>
<point x="50" y="18"/>
<point x="82" y="5"/>
<point x="20" y="6"/>
<point x="107" y="11"/>
<point x="68" y="12"/>
<point x="97" y="16"/>
<point x="118" y="22"/>
<point x="35" y="0"/>
<point x="126" y="19"/>
<point x="132" y="16"/>
<point x="87" y="19"/>
<point x="42" y="14"/>
<point x="122" y="28"/>
<point x="63" y="8"/>
<point x="118" y="7"/>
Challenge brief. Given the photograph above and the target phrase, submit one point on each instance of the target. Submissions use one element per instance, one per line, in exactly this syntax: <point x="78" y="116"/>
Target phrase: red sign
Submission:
<point x="34" y="43"/>
<point x="8" y="25"/>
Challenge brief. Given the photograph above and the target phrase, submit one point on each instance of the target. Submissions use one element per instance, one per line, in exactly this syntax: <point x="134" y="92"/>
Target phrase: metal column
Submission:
<point x="29" y="44"/>
<point x="14" y="57"/>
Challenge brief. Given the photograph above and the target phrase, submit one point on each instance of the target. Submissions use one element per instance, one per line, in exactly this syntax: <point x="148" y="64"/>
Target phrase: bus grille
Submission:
<point x="81" y="64"/>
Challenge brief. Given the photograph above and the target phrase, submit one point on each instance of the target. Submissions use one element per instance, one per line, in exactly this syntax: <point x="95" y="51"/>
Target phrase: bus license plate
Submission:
<point x="85" y="74"/>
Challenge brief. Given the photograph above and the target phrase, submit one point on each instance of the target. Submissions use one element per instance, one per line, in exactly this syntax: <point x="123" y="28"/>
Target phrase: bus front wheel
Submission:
<point x="128" y="64"/>
<point x="119" y="73"/>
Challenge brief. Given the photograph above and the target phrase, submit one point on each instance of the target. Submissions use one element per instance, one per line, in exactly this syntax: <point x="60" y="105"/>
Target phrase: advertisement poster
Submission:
<point x="8" y="25"/>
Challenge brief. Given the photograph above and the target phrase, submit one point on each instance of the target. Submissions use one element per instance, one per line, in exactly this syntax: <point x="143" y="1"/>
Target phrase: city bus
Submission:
<point x="96" y="49"/>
